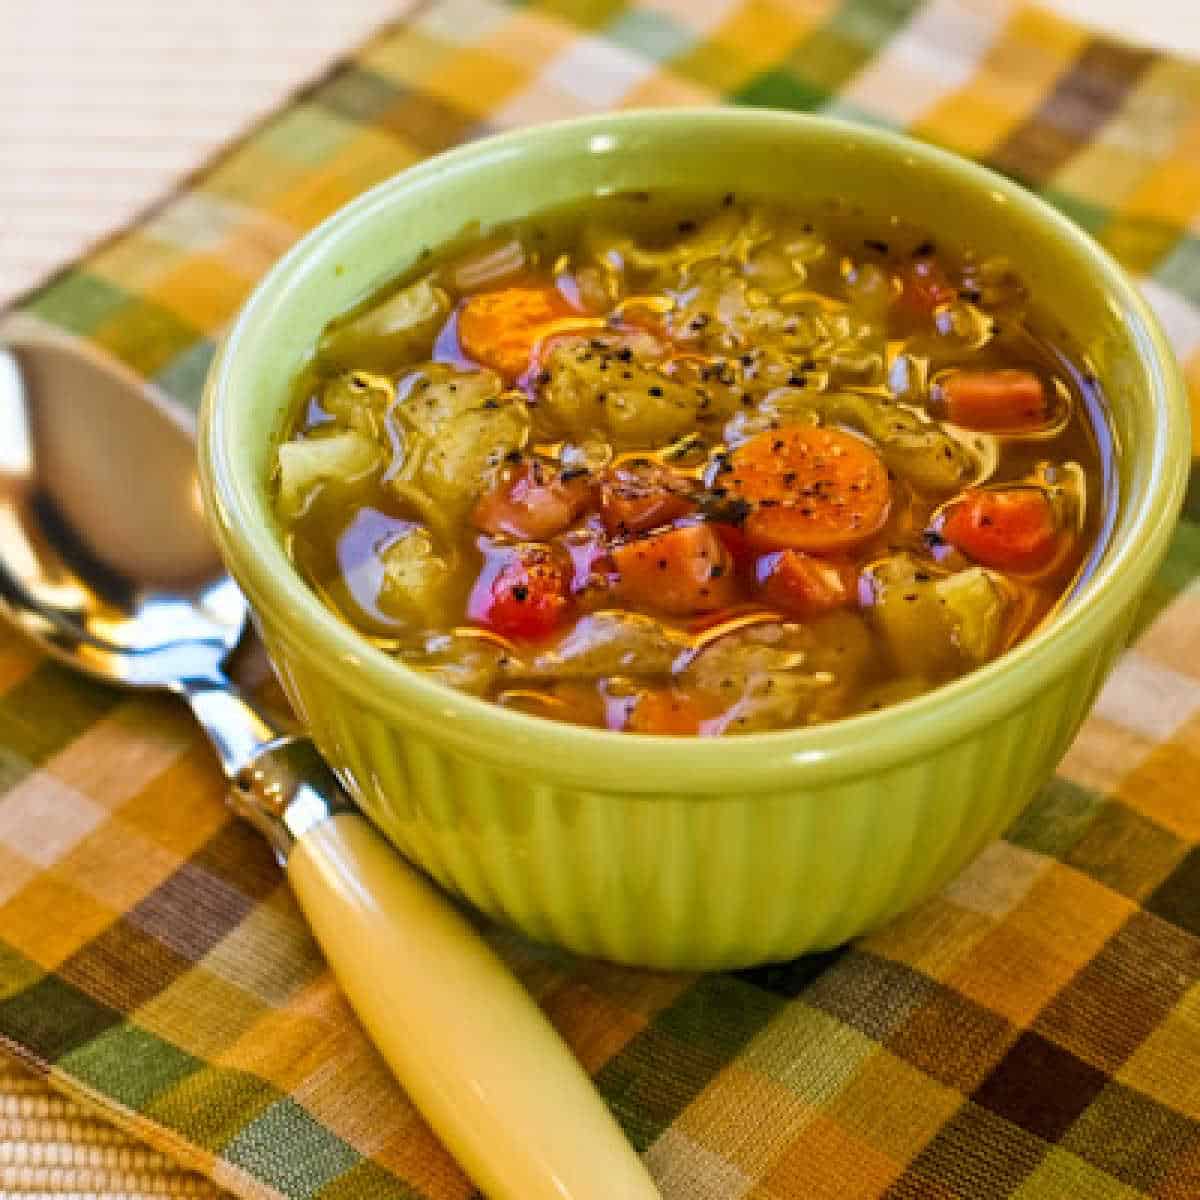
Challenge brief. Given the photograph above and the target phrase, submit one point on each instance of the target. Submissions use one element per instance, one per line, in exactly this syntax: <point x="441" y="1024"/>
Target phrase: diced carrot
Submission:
<point x="665" y="710"/>
<point x="680" y="571"/>
<point x="500" y="329"/>
<point x="995" y="401"/>
<point x="533" y="501"/>
<point x="640" y="495"/>
<point x="1011" y="529"/>
<point x="809" y="488"/>
<point x="737" y="543"/>
<point x="924" y="285"/>
<point x="805" y="586"/>
<point x="522" y="592"/>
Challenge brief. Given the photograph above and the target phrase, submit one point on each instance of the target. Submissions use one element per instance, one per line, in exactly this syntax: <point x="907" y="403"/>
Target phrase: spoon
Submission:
<point x="105" y="561"/>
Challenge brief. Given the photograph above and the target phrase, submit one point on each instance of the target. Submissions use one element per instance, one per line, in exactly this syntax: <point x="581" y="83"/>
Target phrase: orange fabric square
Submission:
<point x="526" y="41"/>
<point x="892" y="1105"/>
<point x="1027" y="959"/>
<point x="181" y="808"/>
<point x="49" y="919"/>
<point x="203" y="290"/>
<point x="370" y="157"/>
<point x="932" y="938"/>
<point x="744" y="1118"/>
<point x="289" y="1048"/>
<point x="594" y="1027"/>
<point x="476" y="80"/>
<point x="1166" y="785"/>
<point x="827" y="1162"/>
<point x="667" y="91"/>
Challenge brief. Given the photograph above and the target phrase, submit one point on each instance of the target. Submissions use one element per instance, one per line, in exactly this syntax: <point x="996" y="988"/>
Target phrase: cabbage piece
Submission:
<point x="415" y="576"/>
<point x="594" y="390"/>
<point x="470" y="664"/>
<point x="724" y="313"/>
<point x="360" y="400"/>
<point x="893" y="691"/>
<point x="936" y="626"/>
<point x="463" y="456"/>
<point x="976" y="603"/>
<point x="783" y="263"/>
<point x="305" y="462"/>
<point x="761" y="675"/>
<point x="385" y="334"/>
<point x="608" y="643"/>
<point x="913" y="619"/>
<point x="729" y="236"/>
<point x="436" y="393"/>
<point x="461" y="427"/>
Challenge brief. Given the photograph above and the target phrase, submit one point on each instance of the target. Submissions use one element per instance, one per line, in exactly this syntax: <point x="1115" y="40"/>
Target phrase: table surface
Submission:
<point x="102" y="107"/>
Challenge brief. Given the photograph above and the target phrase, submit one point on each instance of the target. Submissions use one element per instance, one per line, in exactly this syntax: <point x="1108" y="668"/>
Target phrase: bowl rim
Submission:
<point x="645" y="763"/>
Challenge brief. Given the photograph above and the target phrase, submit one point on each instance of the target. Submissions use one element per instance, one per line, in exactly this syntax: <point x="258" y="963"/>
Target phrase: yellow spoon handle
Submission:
<point x="467" y="1042"/>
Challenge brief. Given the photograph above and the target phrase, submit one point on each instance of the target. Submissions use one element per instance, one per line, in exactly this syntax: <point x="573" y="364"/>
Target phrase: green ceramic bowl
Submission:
<point x="674" y="852"/>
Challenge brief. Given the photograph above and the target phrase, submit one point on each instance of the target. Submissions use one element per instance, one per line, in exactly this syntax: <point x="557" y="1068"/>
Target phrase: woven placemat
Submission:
<point x="1032" y="1032"/>
<point x="50" y="1146"/>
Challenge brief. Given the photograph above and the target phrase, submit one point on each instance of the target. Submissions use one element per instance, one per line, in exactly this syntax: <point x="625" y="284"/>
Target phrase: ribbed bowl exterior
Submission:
<point x="681" y="880"/>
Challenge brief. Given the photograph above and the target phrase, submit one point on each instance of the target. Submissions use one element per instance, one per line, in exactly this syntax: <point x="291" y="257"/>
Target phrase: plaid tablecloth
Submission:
<point x="1033" y="1032"/>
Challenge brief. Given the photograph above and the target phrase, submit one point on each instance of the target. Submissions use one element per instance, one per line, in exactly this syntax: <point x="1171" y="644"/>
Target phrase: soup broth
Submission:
<point x="696" y="465"/>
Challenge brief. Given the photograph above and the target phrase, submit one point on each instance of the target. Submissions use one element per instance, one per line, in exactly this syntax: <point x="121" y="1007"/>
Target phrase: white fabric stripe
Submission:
<point x="596" y="72"/>
<point x="1180" y="318"/>
<point x="935" y="54"/>
<point x="1148" y="698"/>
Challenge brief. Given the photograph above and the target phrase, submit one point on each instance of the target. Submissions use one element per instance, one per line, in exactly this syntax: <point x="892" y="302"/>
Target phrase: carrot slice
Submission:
<point x="681" y="571"/>
<point x="805" y="586"/>
<point x="1004" y="401"/>
<point x="500" y="329"/>
<point x="1010" y="529"/>
<point x="820" y="490"/>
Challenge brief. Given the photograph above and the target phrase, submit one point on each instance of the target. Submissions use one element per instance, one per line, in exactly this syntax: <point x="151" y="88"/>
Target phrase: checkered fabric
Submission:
<point x="1032" y="1032"/>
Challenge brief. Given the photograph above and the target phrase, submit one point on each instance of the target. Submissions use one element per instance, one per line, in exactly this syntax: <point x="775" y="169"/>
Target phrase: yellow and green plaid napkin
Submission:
<point x="1033" y="1032"/>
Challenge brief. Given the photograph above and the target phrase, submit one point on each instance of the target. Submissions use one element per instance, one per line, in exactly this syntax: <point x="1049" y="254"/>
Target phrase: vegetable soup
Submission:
<point x="675" y="465"/>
